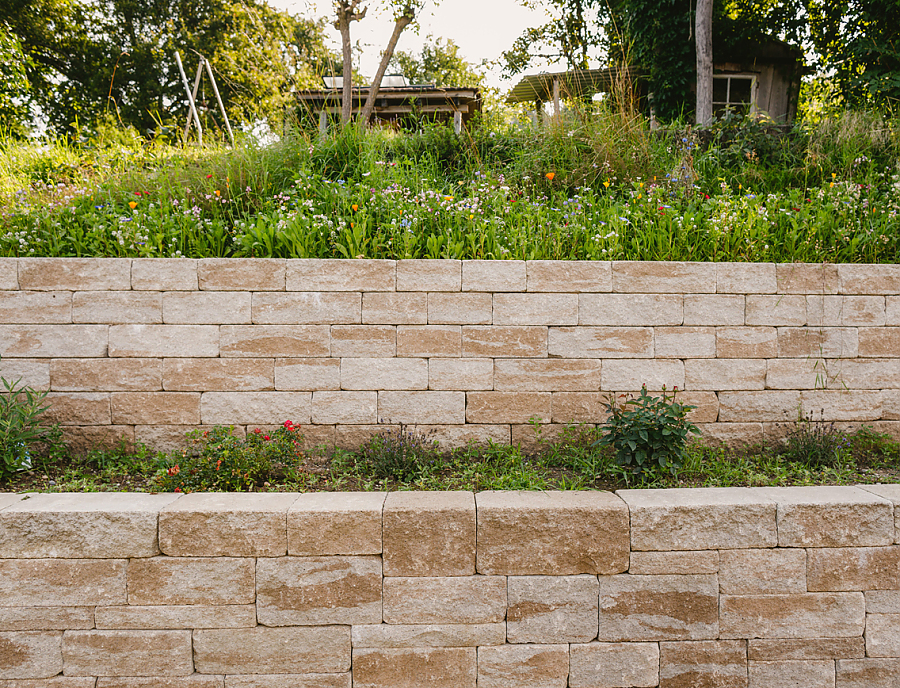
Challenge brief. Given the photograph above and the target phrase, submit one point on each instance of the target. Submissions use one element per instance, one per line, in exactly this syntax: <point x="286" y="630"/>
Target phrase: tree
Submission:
<point x="14" y="89"/>
<point x="439" y="63"/>
<point x="347" y="11"/>
<point x="703" y="31"/>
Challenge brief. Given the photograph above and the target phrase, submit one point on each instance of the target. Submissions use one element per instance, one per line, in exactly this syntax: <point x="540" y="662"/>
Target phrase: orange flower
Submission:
<point x="132" y="205"/>
<point x="551" y="175"/>
<point x="355" y="207"/>
<point x="217" y="192"/>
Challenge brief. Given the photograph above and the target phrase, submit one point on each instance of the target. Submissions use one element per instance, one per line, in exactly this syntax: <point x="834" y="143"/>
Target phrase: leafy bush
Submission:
<point x="649" y="436"/>
<point x="399" y="455"/>
<point x="815" y="444"/>
<point x="21" y="409"/>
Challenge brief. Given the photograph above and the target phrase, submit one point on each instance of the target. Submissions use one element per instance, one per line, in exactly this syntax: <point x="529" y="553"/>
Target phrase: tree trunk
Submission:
<point x="346" y="13"/>
<point x="402" y="22"/>
<point x="703" y="33"/>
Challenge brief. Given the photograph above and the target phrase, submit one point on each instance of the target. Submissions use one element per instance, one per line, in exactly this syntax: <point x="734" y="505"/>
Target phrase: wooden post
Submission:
<point x="323" y="122"/>
<point x="556" y="108"/>
<point x="212" y="80"/>
<point x="187" y="89"/>
<point x="457" y="122"/>
<point x="703" y="32"/>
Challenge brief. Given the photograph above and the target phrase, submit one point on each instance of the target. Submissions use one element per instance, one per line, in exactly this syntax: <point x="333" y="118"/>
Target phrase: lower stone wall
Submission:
<point x="756" y="588"/>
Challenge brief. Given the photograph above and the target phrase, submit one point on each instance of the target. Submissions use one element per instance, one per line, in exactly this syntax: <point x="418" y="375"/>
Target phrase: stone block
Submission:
<point x="453" y="436"/>
<point x="328" y="523"/>
<point x="384" y="374"/>
<point x="351" y="437"/>
<point x="445" y="600"/>
<point x="576" y="276"/>
<point x="191" y="681"/>
<point x="746" y="342"/>
<point x="551" y="609"/>
<point x="155" y="408"/>
<point x="341" y="680"/>
<point x="864" y="373"/>
<point x="806" y="648"/>
<point x="841" y="405"/>
<point x="36" y="307"/>
<point x="34" y="374"/>
<point x="701" y="518"/>
<point x="444" y="667"/>
<point x="734" y="434"/>
<point x="714" y="309"/>
<point x="254" y="408"/>
<point x="463" y="374"/>
<point x="429" y="534"/>
<point x="117" y="307"/>
<point x="883" y="635"/>
<point x="176" y="616"/>
<point x="318" y="591"/>
<point x="805" y="278"/>
<point x="422" y="407"/>
<point x="45" y="618"/>
<point x="600" y="342"/>
<point x="674" y="563"/>
<point x="189" y="580"/>
<point x="307" y="374"/>
<point x="428" y="635"/>
<point x="164" y="274"/>
<point x="81" y="439"/>
<point x="364" y="341"/>
<point x="55" y="682"/>
<point x="707" y="406"/>
<point x="772" y="406"/>
<point x="809" y="615"/>
<point x="684" y="342"/>
<point x="341" y="275"/>
<point x="30" y="654"/>
<point x="9" y="273"/>
<point x="276" y="341"/>
<point x="892" y="310"/>
<point x="533" y="438"/>
<point x="869" y="279"/>
<point x="75" y="274"/>
<point x="535" y="309"/>
<point x="460" y="309"/>
<point x="824" y="311"/>
<point x="395" y="308"/>
<point x="241" y="274"/>
<point x="551" y="533"/>
<point x="426" y="341"/>
<point x="218" y="374"/>
<point x="879" y="342"/>
<point x="54" y="341"/>
<point x="261" y="650"/>
<point x="614" y="665"/>
<point x="171" y="438"/>
<point x="307" y="308"/>
<point x="226" y="525"/>
<point x="892" y="494"/>
<point x="77" y="408"/>
<point x="630" y="309"/>
<point x="882" y="601"/>
<point x="818" y="342"/>
<point x="762" y="571"/>
<point x="523" y="666"/>
<point x="847" y="569"/>
<point x="797" y="373"/>
<point x="206" y="308"/>
<point x="713" y="663"/>
<point x="746" y="278"/>
<point x="781" y="310"/>
<point x="547" y="375"/>
<point x="429" y="275"/>
<point x="344" y="407"/>
<point x="127" y="653"/>
<point x="106" y="374"/>
<point x="98" y="525"/>
<point x="867" y="673"/>
<point x="622" y="375"/>
<point x="504" y="342"/>
<point x="579" y="407"/>
<point x="725" y="374"/>
<point x="663" y="277"/>
<point x="865" y="311"/>
<point x="162" y="341"/>
<point x="788" y="674"/>
<point x="493" y="275"/>
<point x="508" y="407"/>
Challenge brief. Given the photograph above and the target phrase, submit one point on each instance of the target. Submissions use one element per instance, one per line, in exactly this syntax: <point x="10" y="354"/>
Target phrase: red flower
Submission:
<point x="178" y="489"/>
<point x="209" y="176"/>
<point x="258" y="431"/>
<point x="266" y="438"/>
<point x="174" y="470"/>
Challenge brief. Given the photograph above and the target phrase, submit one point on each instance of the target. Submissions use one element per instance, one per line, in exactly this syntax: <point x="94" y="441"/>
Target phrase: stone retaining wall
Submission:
<point x="463" y="349"/>
<point x="720" y="588"/>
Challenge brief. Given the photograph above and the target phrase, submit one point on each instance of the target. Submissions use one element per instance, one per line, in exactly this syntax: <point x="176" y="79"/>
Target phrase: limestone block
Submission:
<point x="848" y="569"/>
<point x="579" y="407"/>
<point x="882" y="601"/>
<point x="127" y="653"/>
<point x="746" y="342"/>
<point x="892" y="494"/>
<point x="831" y="517"/>
<point x="37" y="307"/>
<point x="30" y="654"/>
<point x="171" y="437"/>
<point x="80" y="439"/>
<point x="781" y="310"/>
<point x="879" y="342"/>
<point x="663" y="277"/>
<point x="866" y="311"/>
<point x="9" y="273"/>
<point x="762" y="571"/>
<point x="164" y="274"/>
<point x="568" y="276"/>
<point x="341" y="275"/>
<point x="508" y="407"/>
<point x="428" y="635"/>
<point x="841" y="405"/>
<point x="261" y="650"/>
<point x="614" y="665"/>
<point x="883" y="635"/>
<point x="78" y="408"/>
<point x="255" y="408"/>
<point x="435" y="408"/>
<point x="55" y="682"/>
<point x="176" y="616"/>
<point x="630" y="309"/>
<point x="218" y="374"/>
<point x="892" y="310"/>
<point x="552" y="609"/>
<point x="192" y="681"/>
<point x="504" y="342"/>
<point x="395" y="308"/>
<point x="551" y="533"/>
<point x="523" y="666"/>
<point x="707" y="406"/>
<point x="771" y="406"/>
<point x="429" y="275"/>
<point x="97" y="525"/>
<point x="809" y="615"/>
<point x="444" y="667"/>
<point x="713" y="663"/>
<point x="445" y="600"/>
<point x="600" y="342"/>
<point x="462" y="374"/>
<point x="105" y="374"/>
<point x="658" y="608"/>
<point x="622" y="375"/>
<point x="162" y="341"/>
<point x="344" y="407"/>
<point x="425" y="341"/>
<point x="45" y="618"/>
<point x="869" y="279"/>
<point x="806" y="649"/>
<point x="864" y="373"/>
<point x="383" y="374"/>
<point x="429" y="534"/>
<point x="307" y="308"/>
<point x="532" y="438"/>
<point x="188" y="580"/>
<point x="117" y="307"/>
<point x="307" y="374"/>
<point x="867" y="673"/>
<point x="155" y="408"/>
<point x="241" y="274"/>
<point x="223" y="525"/>
<point x="797" y="373"/>
<point x="733" y="434"/>
<point x="746" y="278"/>
<point x="460" y="309"/>
<point x="327" y="523"/>
<point x="547" y="375"/>
<point x="493" y="275"/>
<point x="805" y="278"/>
<point x="684" y="342"/>
<point x="34" y="374"/>
<point x="61" y="582"/>
<point x="364" y="341"/>
<point x="674" y="563"/>
<point x="825" y="342"/>
<point x="53" y="341"/>
<point x="206" y="308"/>
<point x="453" y="436"/>
<point x="788" y="674"/>
<point x="74" y="274"/>
<point x="342" y="680"/>
<point x="535" y="309"/>
<point x="825" y="311"/>
<point x="725" y="374"/>
<point x="276" y="341"/>
<point x="352" y="436"/>
<point x="714" y="309"/>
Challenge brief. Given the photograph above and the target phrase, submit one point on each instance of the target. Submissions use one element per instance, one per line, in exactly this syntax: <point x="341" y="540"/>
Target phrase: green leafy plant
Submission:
<point x="816" y="444"/>
<point x="399" y="455"/>
<point x="21" y="408"/>
<point x="649" y="434"/>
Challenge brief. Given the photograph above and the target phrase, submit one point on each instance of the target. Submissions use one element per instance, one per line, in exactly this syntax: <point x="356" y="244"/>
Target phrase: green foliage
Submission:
<point x="21" y="411"/>
<point x="399" y="455"/>
<point x="816" y="444"/>
<point x="649" y="434"/>
<point x="439" y="63"/>
<point x="14" y="87"/>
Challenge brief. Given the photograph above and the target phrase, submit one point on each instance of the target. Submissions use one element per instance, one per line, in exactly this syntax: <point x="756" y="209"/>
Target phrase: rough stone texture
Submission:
<point x="883" y="601"/>
<point x="218" y="374"/>
<point x="746" y="342"/>
<point x="428" y="635"/>
<point x="766" y="406"/>
<point x="867" y="311"/>
<point x="630" y="309"/>
<point x="762" y="571"/>
<point x="788" y="674"/>
<point x="187" y="580"/>
<point x="170" y="274"/>
<point x="241" y="274"/>
<point x="187" y="616"/>
<point x="551" y="533"/>
<point x="395" y="308"/>
<point x="429" y="275"/>
<point x="75" y="274"/>
<point x="746" y="278"/>
<point x="9" y="273"/>
<point x="271" y="341"/>
<point x="307" y="374"/>
<point x="576" y="407"/>
<point x="30" y="654"/>
<point x="316" y="591"/>
<point x="451" y="600"/>
<point x="289" y="681"/>
<point x="54" y="341"/>
<point x="384" y="373"/>
<point x="206" y="308"/>
<point x="702" y="664"/>
<point x="547" y="375"/>
<point x="353" y="408"/>
<point x="155" y="408"/>
<point x="623" y="375"/>
<point x="307" y="308"/>
<point x="127" y="653"/>
<point x="78" y="408"/>
<point x="106" y="374"/>
<point x="460" y="309"/>
<point x="674" y="563"/>
<point x="192" y="681"/>
<point x="867" y="673"/>
<point x="255" y="408"/>
<point x="805" y="278"/>
<point x="713" y="309"/>
<point x="261" y="650"/>
<point x="504" y="341"/>
<point x="523" y="666"/>
<point x="425" y="341"/>
<point x="535" y="309"/>
<point x="34" y="374"/>
<point x="463" y="374"/>
<point x="725" y="374"/>
<point x="45" y="618"/>
<point x="364" y="341"/>
<point x="892" y="494"/>
<point x="326" y="523"/>
<point x="831" y="342"/>
<point x="809" y="615"/>
<point x="684" y="342"/>
<point x="883" y="635"/>
<point x="37" y="307"/>
<point x="449" y="667"/>
<point x="614" y="665"/>
<point x="508" y="407"/>
<point x="492" y="275"/>
<point x="552" y="609"/>
<point x="568" y="276"/>
<point x="807" y="648"/>
<point x="340" y="275"/>
<point x="55" y="682"/>
<point x="434" y="408"/>
<point x="663" y="277"/>
<point x="854" y="568"/>
<point x="600" y="342"/>
<point x="61" y="582"/>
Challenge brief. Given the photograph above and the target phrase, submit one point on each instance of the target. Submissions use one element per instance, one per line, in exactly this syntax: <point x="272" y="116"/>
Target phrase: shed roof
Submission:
<point x="576" y="83"/>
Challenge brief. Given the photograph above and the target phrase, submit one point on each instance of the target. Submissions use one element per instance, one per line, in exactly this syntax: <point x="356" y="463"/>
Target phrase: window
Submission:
<point x="736" y="93"/>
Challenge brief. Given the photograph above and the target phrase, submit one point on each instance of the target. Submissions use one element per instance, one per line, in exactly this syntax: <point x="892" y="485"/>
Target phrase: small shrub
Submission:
<point x="648" y="434"/>
<point x="21" y="409"/>
<point x="397" y="455"/>
<point x="815" y="444"/>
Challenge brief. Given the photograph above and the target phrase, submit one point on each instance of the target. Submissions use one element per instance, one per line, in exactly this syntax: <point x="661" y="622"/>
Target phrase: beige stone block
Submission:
<point x="166" y="341"/>
<point x="580" y="407"/>
<point x="226" y="525"/>
<point x="781" y="310"/>
<point x="882" y="602"/>
<point x="797" y="373"/>
<point x="30" y="654"/>
<point x="428" y="635"/>
<point x="171" y="437"/>
<point x="869" y="279"/>
<point x="663" y="277"/>
<point x="261" y="650"/>
<point x="445" y="600"/>
<point x="255" y="408"/>
<point x="725" y="374"/>
<point x="164" y="274"/>
<point x="127" y="653"/>
<point x="867" y="373"/>
<point x="532" y="439"/>
<point x="892" y="310"/>
<point x="53" y="341"/>
<point x="809" y="615"/>
<point x="674" y="563"/>
<point x="818" y="342"/>
<point x="80" y="439"/>
<point x="384" y="374"/>
<point x="701" y="518"/>
<point x="241" y="274"/>
<point x="429" y="408"/>
<point x="192" y="681"/>
<point x="493" y="275"/>
<point x="714" y="309"/>
<point x="883" y="635"/>
<point x="614" y="665"/>
<point x="461" y="374"/>
<point x="206" y="308"/>
<point x="824" y="311"/>
<point x="746" y="278"/>
<point x="55" y="682"/>
<point x="788" y="674"/>
<point x="77" y="408"/>
<point x="548" y="375"/>
<point x="271" y="341"/>
<point x="852" y="568"/>
<point x="746" y="342"/>
<point x="535" y="309"/>
<point x="508" y="407"/>
<point x="307" y="308"/>
<point x="805" y="278"/>
<point x="318" y="591"/>
<point x="551" y="609"/>
<point x="307" y="374"/>
<point x="100" y="525"/>
<point x="75" y="274"/>
<point x="176" y="616"/>
<point x="732" y="434"/>
<point x="845" y="405"/>
<point x="867" y="673"/>
<point x="46" y="618"/>
<point x="156" y="408"/>
<point x="772" y="406"/>
<point x="806" y="648"/>
<point x="429" y="275"/>
<point x="445" y="667"/>
<point x="551" y="533"/>
<point x="9" y="273"/>
<point x="352" y="437"/>
<point x="658" y="608"/>
<point x="626" y="376"/>
<point x="523" y="666"/>
<point x="39" y="307"/>
<point x="460" y="309"/>
<point x="34" y="374"/>
<point x="105" y="374"/>
<point x="189" y="580"/>
<point x="576" y="276"/>
<point x="684" y="342"/>
<point x="363" y="341"/>
<point x="341" y="275"/>
<point x="425" y="341"/>
<point x="706" y="403"/>
<point x="395" y="308"/>
<point x="117" y="307"/>
<point x="831" y="517"/>
<point x="865" y="311"/>
<point x="341" y="680"/>
<point x="328" y="523"/>
<point x="630" y="309"/>
<point x="762" y="571"/>
<point x="218" y="374"/>
<point x="344" y="407"/>
<point x="600" y="342"/>
<point x="504" y="341"/>
<point x="453" y="436"/>
<point x="879" y="342"/>
<point x="429" y="534"/>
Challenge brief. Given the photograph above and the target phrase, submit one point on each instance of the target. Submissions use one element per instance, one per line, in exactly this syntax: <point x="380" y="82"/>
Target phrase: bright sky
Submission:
<point x="481" y="28"/>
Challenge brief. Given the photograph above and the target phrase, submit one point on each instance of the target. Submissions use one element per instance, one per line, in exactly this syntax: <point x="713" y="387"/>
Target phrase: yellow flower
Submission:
<point x="641" y="185"/>
<point x="833" y="175"/>
<point x="550" y="175"/>
<point x="640" y="196"/>
<point x="448" y="198"/>
<point x="606" y="184"/>
<point x="831" y="186"/>
<point x="471" y="217"/>
<point x="132" y="204"/>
